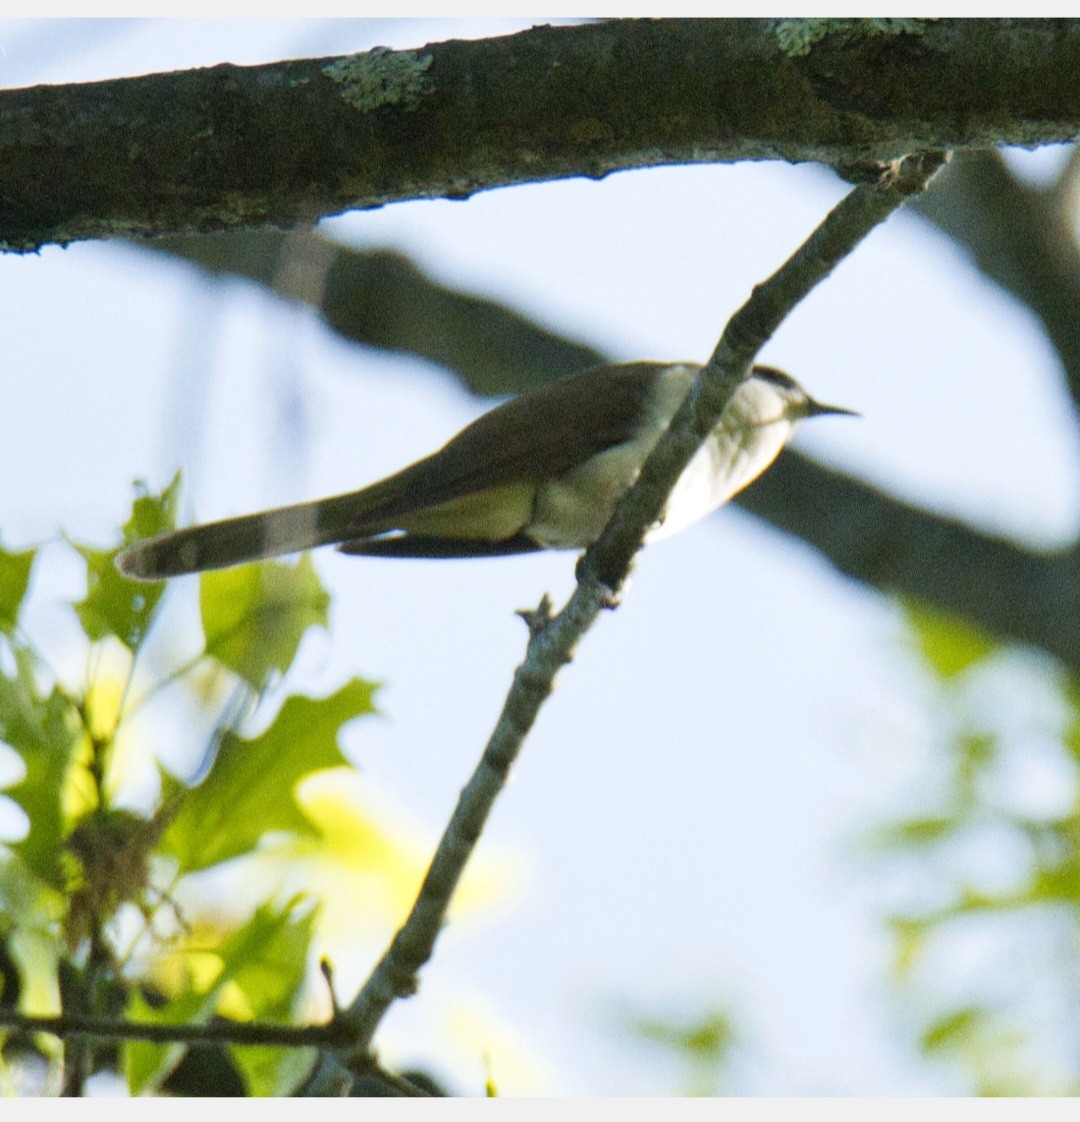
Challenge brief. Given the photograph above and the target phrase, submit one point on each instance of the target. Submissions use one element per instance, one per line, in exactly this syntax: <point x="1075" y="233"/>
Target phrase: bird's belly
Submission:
<point x="492" y="515"/>
<point x="570" y="511"/>
<point x="699" y="491"/>
<point x="721" y="467"/>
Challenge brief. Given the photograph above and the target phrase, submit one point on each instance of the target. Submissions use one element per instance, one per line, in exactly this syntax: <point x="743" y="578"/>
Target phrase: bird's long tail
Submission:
<point x="252" y="537"/>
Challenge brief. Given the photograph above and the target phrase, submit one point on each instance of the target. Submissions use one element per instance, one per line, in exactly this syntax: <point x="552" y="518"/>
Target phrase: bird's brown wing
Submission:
<point x="540" y="435"/>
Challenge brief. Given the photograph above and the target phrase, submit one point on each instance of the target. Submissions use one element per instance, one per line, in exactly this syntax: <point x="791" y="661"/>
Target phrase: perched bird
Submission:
<point x="540" y="471"/>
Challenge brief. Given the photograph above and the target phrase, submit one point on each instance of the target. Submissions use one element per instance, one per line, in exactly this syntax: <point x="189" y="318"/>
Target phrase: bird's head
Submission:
<point x="795" y="402"/>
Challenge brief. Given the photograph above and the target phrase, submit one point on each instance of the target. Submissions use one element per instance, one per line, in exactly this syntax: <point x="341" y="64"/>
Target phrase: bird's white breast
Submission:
<point x="570" y="512"/>
<point x="752" y="430"/>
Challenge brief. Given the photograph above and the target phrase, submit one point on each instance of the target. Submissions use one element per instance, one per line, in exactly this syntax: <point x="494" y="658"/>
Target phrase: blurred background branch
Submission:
<point x="1017" y="235"/>
<point x="1021" y="238"/>
<point x="382" y="299"/>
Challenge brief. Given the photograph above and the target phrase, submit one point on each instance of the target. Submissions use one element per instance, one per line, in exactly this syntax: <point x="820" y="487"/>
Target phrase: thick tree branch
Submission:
<point x="602" y="570"/>
<point x="286" y="143"/>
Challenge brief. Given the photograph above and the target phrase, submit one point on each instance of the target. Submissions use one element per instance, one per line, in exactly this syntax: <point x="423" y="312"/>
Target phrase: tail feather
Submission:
<point x="236" y="541"/>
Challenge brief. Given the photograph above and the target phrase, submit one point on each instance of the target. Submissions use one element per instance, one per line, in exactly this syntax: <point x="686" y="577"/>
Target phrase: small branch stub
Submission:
<point x="536" y="619"/>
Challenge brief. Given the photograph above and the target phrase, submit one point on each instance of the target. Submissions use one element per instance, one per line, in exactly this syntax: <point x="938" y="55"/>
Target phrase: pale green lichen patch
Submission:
<point x="381" y="77"/>
<point x="797" y="36"/>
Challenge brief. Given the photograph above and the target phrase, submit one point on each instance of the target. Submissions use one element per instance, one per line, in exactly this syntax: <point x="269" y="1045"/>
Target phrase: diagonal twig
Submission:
<point x="1021" y="237"/>
<point x="601" y="572"/>
<point x="85" y="1027"/>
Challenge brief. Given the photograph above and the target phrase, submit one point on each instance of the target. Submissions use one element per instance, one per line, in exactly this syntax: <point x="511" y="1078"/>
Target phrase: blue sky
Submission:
<point x="688" y="805"/>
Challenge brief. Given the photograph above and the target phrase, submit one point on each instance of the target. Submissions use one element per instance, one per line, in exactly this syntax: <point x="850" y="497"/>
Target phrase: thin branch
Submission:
<point x="73" y="1026"/>
<point x="78" y="1026"/>
<point x="602" y="570"/>
<point x="746" y="333"/>
<point x="283" y="144"/>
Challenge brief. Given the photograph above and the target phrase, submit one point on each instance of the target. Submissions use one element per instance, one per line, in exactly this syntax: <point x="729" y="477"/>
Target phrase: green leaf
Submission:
<point x="37" y="955"/>
<point x="26" y="901"/>
<point x="911" y="935"/>
<point x="270" y="984"/>
<point x="255" y="616"/>
<point x="115" y="605"/>
<point x="948" y="645"/>
<point x="953" y="1029"/>
<point x="1059" y="884"/>
<point x="913" y="833"/>
<point x="974" y="753"/>
<point x="1071" y="735"/>
<point x="250" y="790"/>
<point x="273" y="939"/>
<point x="147" y="1065"/>
<point x="703" y="1044"/>
<point x="31" y="913"/>
<point x="708" y="1038"/>
<point x="44" y="731"/>
<point x="14" y="579"/>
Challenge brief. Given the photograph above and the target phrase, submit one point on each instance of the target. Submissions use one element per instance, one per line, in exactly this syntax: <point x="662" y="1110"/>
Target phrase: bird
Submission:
<point x="540" y="471"/>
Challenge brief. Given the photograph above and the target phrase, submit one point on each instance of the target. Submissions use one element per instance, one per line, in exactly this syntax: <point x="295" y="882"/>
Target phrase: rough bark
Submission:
<point x="285" y="143"/>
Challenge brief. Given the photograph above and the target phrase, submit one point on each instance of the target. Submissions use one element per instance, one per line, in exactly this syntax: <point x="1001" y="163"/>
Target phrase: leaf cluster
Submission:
<point x="89" y="922"/>
<point x="987" y="936"/>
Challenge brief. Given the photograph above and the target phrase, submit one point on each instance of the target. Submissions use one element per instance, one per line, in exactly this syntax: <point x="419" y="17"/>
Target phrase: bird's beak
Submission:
<point x="816" y="409"/>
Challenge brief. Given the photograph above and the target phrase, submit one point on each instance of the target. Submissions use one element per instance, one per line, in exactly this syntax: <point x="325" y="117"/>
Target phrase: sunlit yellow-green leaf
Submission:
<point x="948" y="645"/>
<point x="911" y="938"/>
<point x="1059" y="882"/>
<point x="264" y="988"/>
<point x="31" y="913"/>
<point x="14" y="579"/>
<point x="254" y="616"/>
<point x="703" y="1043"/>
<point x="1071" y="735"/>
<point x="250" y="790"/>
<point x="912" y="833"/>
<point x="951" y="1029"/>
<point x="262" y="960"/>
<point x="147" y="1065"/>
<point x="43" y="730"/>
<point x="366" y="861"/>
<point x="708" y="1037"/>
<point x="26" y="900"/>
